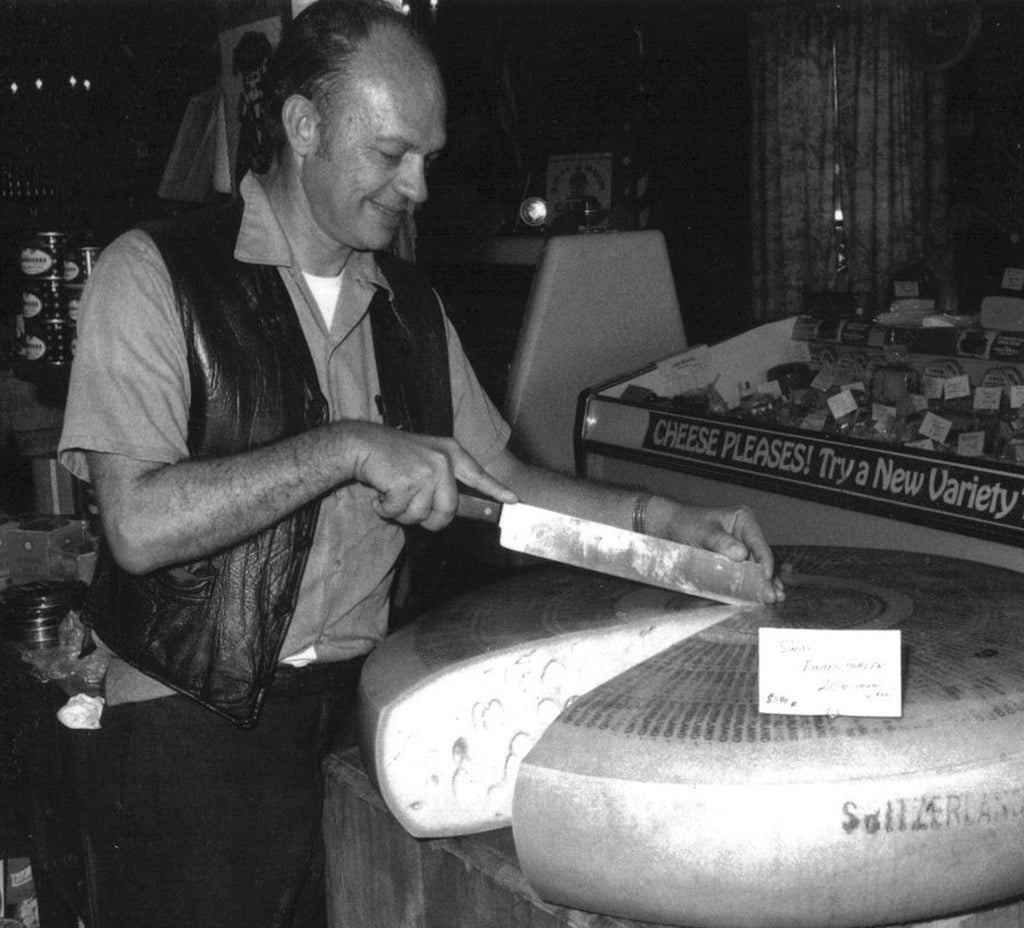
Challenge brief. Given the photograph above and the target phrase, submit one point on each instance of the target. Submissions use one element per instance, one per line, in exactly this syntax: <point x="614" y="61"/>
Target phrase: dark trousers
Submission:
<point x="192" y="821"/>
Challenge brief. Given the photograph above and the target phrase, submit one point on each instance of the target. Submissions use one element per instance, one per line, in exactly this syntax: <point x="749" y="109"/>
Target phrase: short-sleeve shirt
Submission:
<point x="130" y="394"/>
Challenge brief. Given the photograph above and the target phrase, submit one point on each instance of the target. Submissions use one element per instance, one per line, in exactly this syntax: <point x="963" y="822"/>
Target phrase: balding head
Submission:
<point x="318" y="52"/>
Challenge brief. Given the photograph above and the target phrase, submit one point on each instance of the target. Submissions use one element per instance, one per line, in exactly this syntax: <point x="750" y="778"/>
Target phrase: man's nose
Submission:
<point x="412" y="181"/>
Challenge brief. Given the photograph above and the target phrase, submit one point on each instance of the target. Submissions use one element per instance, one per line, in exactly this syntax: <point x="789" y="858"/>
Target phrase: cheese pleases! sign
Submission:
<point x="618" y="728"/>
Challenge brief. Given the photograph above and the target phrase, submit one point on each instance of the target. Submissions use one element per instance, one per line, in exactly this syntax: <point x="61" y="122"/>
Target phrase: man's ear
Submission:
<point x="301" y="124"/>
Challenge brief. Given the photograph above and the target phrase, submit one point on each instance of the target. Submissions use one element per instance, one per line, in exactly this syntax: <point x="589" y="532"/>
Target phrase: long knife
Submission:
<point x="618" y="552"/>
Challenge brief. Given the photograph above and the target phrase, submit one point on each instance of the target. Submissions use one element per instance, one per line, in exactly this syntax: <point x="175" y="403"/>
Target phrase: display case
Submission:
<point x="835" y="430"/>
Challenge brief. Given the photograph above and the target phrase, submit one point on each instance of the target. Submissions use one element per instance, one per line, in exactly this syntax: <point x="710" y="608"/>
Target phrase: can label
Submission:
<point x="43" y="255"/>
<point x="35" y="348"/>
<point x="79" y="262"/>
<point x="37" y="262"/>
<point x="43" y="298"/>
<point x="49" y="340"/>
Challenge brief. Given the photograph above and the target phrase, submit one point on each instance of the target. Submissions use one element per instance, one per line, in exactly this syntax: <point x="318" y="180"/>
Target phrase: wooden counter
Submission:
<point x="379" y="876"/>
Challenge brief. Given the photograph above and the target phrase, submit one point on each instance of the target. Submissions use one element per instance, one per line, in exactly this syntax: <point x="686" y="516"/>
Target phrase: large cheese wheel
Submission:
<point x="664" y="795"/>
<point x="451" y="704"/>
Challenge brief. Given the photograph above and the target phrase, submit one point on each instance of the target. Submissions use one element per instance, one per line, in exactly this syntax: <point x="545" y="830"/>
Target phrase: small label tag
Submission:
<point x="923" y="444"/>
<point x="685" y="372"/>
<point x="880" y="412"/>
<point x="770" y="388"/>
<point x="842" y="404"/>
<point x="807" y="671"/>
<point x="1017" y="396"/>
<point x="822" y="381"/>
<point x="988" y="398"/>
<point x="935" y="427"/>
<point x="814" y="422"/>
<point x="1013" y="278"/>
<point x="799" y="351"/>
<point x="932" y="387"/>
<point x="970" y="444"/>
<point x="957" y="387"/>
<point x="918" y="402"/>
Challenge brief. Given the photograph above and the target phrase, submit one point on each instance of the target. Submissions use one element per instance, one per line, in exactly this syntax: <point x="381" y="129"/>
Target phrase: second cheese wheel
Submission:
<point x="664" y="795"/>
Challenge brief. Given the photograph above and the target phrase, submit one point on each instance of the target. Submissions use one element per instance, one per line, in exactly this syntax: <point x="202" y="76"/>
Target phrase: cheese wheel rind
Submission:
<point x="711" y="857"/>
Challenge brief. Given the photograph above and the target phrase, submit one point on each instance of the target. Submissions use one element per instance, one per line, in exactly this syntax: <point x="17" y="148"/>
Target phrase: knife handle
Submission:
<point x="478" y="507"/>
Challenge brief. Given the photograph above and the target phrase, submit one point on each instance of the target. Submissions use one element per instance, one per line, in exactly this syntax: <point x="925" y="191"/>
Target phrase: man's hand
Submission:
<point x="732" y="532"/>
<point x="416" y="476"/>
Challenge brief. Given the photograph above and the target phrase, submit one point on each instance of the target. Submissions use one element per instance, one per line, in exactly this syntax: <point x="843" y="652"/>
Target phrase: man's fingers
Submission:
<point x="472" y="475"/>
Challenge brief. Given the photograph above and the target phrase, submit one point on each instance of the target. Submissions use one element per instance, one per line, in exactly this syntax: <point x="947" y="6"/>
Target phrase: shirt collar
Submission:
<point x="262" y="240"/>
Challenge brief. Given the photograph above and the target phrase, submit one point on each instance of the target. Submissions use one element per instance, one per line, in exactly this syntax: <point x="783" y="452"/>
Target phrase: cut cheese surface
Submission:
<point x="450" y="705"/>
<point x="662" y="794"/>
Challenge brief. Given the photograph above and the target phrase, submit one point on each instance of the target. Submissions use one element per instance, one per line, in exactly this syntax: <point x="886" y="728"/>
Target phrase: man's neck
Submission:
<point x="315" y="253"/>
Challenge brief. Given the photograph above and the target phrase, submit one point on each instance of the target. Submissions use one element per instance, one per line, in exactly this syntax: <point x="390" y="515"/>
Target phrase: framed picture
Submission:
<point x="573" y="176"/>
<point x="246" y="44"/>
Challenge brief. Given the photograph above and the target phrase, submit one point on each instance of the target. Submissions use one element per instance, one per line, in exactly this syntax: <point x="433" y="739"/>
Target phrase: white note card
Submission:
<point x="810" y="671"/>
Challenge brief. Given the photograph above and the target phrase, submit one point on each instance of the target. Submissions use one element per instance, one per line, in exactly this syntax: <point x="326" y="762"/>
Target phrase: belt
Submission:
<point x="315" y="678"/>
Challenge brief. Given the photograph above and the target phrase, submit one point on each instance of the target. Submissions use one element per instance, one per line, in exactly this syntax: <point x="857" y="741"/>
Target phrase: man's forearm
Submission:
<point x="155" y="516"/>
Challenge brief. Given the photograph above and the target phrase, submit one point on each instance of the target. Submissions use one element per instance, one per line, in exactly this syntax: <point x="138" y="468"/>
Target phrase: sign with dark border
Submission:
<point x="983" y="498"/>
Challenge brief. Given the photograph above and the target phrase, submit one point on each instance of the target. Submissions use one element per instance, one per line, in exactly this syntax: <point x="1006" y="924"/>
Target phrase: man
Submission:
<point x="263" y="399"/>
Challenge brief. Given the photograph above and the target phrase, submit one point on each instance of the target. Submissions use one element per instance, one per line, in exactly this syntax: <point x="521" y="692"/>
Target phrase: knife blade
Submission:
<point x="618" y="552"/>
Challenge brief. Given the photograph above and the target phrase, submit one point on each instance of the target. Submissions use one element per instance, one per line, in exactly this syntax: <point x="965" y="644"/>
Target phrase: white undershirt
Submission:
<point x="325" y="291"/>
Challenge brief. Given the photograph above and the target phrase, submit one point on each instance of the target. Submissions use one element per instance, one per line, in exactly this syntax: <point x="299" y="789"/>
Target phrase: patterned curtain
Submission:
<point x="834" y="84"/>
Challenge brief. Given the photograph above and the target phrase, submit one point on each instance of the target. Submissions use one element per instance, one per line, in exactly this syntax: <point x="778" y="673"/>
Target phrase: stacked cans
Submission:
<point x="31" y="613"/>
<point x="53" y="273"/>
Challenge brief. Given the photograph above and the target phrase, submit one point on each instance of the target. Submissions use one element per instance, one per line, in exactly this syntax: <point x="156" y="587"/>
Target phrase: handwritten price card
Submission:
<point x="805" y="671"/>
<point x="842" y="404"/>
<point x="988" y="399"/>
<point x="935" y="427"/>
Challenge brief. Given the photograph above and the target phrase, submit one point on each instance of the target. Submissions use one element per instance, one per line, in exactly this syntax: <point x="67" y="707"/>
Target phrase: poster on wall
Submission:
<point x="245" y="51"/>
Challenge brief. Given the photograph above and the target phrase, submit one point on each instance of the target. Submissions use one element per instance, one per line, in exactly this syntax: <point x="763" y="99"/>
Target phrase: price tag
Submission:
<point x="770" y="388"/>
<point x="799" y="351"/>
<point x="842" y="404"/>
<point x="685" y="372"/>
<point x="1013" y="278"/>
<point x="988" y="398"/>
<point x="822" y="381"/>
<point x="880" y="412"/>
<point x="1017" y="396"/>
<point x="956" y="387"/>
<point x="970" y="444"/>
<point x="814" y="421"/>
<point x="918" y="402"/>
<point x="808" y="671"/>
<point x="935" y="427"/>
<point x="932" y="387"/>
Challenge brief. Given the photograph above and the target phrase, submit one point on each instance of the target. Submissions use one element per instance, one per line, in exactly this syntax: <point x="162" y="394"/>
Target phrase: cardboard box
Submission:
<point x="33" y="546"/>
<point x="5" y="524"/>
<point x="75" y="562"/>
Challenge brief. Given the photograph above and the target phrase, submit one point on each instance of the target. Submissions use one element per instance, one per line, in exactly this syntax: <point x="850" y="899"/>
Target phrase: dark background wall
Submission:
<point x="579" y="72"/>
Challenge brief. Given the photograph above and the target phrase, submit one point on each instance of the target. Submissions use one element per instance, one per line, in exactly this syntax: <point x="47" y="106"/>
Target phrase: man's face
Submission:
<point x="381" y="131"/>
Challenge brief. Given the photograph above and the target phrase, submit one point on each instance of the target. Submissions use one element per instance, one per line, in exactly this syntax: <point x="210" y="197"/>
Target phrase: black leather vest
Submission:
<point x="213" y="628"/>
